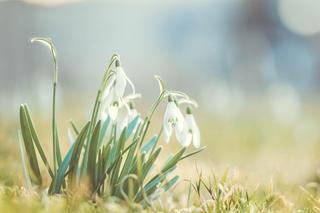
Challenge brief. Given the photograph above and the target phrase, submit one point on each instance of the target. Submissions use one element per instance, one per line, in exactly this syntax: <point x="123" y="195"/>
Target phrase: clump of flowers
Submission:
<point x="110" y="154"/>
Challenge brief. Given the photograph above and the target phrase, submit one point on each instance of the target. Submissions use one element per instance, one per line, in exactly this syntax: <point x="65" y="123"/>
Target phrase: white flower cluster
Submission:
<point x="186" y="129"/>
<point x="114" y="99"/>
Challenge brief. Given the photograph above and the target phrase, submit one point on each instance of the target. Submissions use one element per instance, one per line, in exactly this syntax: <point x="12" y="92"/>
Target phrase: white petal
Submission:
<point x="196" y="138"/>
<point x="121" y="82"/>
<point x="171" y="110"/>
<point x="184" y="137"/>
<point x="105" y="106"/>
<point x="131" y="84"/>
<point x="113" y="111"/>
<point x="167" y="115"/>
<point x="167" y="131"/>
<point x="180" y="122"/>
<point x="190" y="121"/>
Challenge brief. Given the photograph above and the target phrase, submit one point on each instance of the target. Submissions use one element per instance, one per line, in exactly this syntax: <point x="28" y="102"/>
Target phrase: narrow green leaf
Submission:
<point x="193" y="153"/>
<point x="58" y="151"/>
<point x="76" y="155"/>
<point x="36" y="140"/>
<point x="74" y="127"/>
<point x="93" y="152"/>
<point x="174" y="160"/>
<point x="103" y="131"/>
<point x="132" y="125"/>
<point x="23" y="161"/>
<point x="170" y="183"/>
<point x="150" y="144"/>
<point x="150" y="162"/>
<point x="121" y="141"/>
<point x="129" y="160"/>
<point x="59" y="178"/>
<point x="28" y="143"/>
<point x="114" y="174"/>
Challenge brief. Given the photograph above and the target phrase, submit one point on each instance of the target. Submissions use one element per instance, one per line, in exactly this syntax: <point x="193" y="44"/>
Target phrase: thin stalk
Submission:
<point x="146" y="125"/>
<point x="48" y="42"/>
<point x="53" y="128"/>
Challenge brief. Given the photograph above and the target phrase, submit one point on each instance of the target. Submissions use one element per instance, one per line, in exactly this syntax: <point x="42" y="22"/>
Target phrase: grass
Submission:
<point x="288" y="188"/>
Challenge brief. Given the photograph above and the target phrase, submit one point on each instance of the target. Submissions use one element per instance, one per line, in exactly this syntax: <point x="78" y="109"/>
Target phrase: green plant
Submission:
<point x="109" y="154"/>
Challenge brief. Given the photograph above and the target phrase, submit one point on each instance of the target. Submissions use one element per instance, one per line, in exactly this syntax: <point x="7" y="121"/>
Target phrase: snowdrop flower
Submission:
<point x="190" y="131"/>
<point x="112" y="97"/>
<point x="173" y="119"/>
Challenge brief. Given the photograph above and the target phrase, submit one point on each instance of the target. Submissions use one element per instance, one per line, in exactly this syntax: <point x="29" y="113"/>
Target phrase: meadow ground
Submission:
<point x="252" y="163"/>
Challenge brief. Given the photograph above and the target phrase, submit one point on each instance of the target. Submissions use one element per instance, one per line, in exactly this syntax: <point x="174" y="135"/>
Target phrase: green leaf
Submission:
<point x="114" y="174"/>
<point x="59" y="178"/>
<point x="132" y="125"/>
<point x="174" y="160"/>
<point x="129" y="160"/>
<point x="170" y="183"/>
<point x="193" y="153"/>
<point x="23" y="161"/>
<point x="149" y="163"/>
<point x="121" y="141"/>
<point x="33" y="165"/>
<point x="58" y="151"/>
<point x="150" y="144"/>
<point x="76" y="155"/>
<point x="36" y="140"/>
<point x="93" y="151"/>
<point x="74" y="127"/>
<point x="103" y="130"/>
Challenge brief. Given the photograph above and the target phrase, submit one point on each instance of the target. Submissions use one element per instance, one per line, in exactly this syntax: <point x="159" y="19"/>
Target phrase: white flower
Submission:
<point x="173" y="119"/>
<point x="112" y="97"/>
<point x="110" y="106"/>
<point x="190" y="131"/>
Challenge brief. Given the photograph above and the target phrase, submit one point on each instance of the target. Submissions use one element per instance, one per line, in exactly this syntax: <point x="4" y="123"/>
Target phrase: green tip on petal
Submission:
<point x="117" y="63"/>
<point x="131" y="105"/>
<point x="189" y="111"/>
<point x="115" y="104"/>
<point x="170" y="99"/>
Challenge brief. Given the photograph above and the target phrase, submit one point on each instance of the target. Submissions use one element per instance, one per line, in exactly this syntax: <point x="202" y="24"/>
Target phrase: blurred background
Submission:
<point x="253" y="66"/>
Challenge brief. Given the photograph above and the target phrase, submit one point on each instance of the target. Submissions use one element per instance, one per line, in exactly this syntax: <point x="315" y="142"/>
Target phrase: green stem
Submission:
<point x="53" y="127"/>
<point x="147" y="121"/>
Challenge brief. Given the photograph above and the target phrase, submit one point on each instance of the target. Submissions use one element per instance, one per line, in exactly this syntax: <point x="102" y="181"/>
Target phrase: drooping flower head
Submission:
<point x="190" y="131"/>
<point x="173" y="120"/>
<point x="113" y="95"/>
